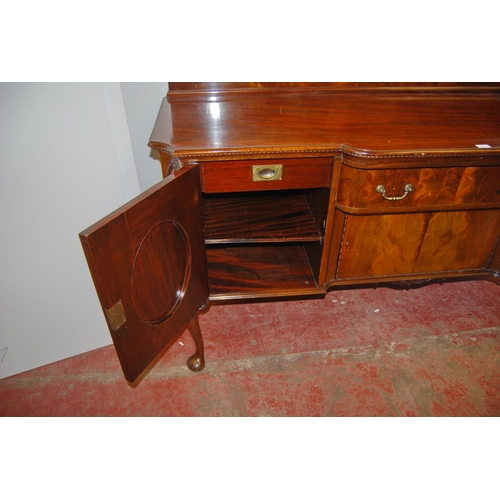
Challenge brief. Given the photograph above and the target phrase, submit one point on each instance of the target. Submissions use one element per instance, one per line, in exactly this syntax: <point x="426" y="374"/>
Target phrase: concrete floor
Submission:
<point x="431" y="351"/>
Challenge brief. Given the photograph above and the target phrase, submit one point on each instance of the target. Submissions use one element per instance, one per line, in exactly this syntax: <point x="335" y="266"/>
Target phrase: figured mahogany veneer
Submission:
<point x="417" y="243"/>
<point x="432" y="187"/>
<point x="360" y="184"/>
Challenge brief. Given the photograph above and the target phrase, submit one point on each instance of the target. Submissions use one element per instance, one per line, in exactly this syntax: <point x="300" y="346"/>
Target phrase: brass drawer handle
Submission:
<point x="381" y="189"/>
<point x="267" y="172"/>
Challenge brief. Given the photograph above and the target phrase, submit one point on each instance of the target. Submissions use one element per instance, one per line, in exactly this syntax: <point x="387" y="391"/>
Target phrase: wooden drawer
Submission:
<point x="419" y="187"/>
<point x="257" y="175"/>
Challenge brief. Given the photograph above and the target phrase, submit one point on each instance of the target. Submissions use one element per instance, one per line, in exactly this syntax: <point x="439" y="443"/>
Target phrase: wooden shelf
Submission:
<point x="249" y="271"/>
<point x="259" y="219"/>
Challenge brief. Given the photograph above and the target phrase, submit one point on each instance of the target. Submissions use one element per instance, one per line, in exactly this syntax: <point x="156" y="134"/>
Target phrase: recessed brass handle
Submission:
<point x="381" y="189"/>
<point x="267" y="172"/>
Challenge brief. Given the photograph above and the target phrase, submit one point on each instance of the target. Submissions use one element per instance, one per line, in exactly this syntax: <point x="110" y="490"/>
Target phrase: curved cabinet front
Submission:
<point x="391" y="245"/>
<point x="413" y="222"/>
<point x="435" y="187"/>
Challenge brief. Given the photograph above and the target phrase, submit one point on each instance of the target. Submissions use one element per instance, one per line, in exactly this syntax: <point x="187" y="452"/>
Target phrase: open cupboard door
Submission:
<point x="148" y="263"/>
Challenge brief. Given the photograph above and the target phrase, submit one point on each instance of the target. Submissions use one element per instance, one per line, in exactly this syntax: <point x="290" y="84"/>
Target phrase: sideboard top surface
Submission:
<point x="364" y="120"/>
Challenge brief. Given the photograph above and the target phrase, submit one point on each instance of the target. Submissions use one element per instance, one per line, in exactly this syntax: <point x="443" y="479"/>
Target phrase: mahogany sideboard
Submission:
<point x="289" y="190"/>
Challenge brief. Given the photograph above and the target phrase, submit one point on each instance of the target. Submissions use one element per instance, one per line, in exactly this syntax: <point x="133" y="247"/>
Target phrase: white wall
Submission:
<point x="65" y="161"/>
<point x="142" y="103"/>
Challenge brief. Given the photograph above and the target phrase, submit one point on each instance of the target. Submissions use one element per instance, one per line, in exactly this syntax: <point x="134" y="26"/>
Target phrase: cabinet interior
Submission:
<point x="265" y="243"/>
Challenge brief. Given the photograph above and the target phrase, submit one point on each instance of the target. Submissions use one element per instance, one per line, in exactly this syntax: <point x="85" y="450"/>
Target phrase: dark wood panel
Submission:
<point x="257" y="271"/>
<point x="401" y="244"/>
<point x="318" y="201"/>
<point x="283" y="121"/>
<point x="160" y="274"/>
<point x="259" y="219"/>
<point x="192" y="87"/>
<point x="148" y="263"/>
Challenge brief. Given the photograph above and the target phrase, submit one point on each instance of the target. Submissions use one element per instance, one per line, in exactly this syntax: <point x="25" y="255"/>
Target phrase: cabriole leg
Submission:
<point x="196" y="362"/>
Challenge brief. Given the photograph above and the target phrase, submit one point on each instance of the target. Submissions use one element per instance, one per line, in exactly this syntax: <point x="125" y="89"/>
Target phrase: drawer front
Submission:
<point x="263" y="175"/>
<point x="419" y="187"/>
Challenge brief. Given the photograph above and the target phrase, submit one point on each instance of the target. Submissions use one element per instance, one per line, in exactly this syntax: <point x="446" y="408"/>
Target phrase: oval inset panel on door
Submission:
<point x="161" y="272"/>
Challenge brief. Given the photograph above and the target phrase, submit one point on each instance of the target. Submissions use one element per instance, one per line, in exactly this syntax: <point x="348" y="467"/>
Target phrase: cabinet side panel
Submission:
<point x="318" y="201"/>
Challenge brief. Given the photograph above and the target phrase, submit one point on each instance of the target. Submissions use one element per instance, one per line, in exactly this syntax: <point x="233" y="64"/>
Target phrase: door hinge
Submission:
<point x="116" y="316"/>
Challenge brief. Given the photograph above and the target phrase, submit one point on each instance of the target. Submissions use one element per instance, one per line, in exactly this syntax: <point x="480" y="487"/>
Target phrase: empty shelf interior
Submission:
<point x="259" y="270"/>
<point x="259" y="219"/>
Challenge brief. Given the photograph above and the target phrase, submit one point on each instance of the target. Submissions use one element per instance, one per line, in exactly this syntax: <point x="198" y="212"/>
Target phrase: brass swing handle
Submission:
<point x="381" y="189"/>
